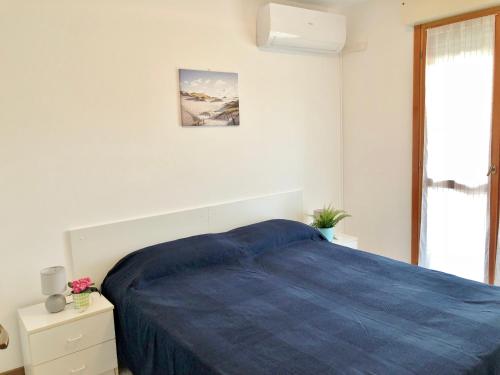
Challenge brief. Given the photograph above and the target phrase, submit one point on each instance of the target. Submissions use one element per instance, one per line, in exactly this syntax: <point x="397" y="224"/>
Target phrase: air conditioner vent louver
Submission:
<point x="291" y="28"/>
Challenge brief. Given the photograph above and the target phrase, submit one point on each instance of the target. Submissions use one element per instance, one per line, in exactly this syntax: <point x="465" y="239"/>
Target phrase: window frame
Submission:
<point x="419" y="59"/>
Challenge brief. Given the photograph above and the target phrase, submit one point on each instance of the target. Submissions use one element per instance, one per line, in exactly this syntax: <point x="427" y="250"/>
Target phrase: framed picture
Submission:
<point x="209" y="98"/>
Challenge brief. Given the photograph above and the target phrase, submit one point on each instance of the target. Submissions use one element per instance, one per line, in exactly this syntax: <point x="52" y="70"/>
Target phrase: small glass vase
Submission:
<point x="81" y="301"/>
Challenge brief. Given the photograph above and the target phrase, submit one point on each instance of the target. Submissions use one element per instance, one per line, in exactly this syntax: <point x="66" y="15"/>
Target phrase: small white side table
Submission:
<point x="69" y="342"/>
<point x="345" y="240"/>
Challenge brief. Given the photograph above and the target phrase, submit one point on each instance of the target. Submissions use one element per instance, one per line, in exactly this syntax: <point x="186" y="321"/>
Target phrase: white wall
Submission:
<point x="89" y="124"/>
<point x="377" y="99"/>
<point x="377" y="120"/>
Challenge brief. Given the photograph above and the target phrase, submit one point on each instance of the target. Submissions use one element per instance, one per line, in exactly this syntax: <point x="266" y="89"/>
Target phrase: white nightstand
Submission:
<point x="345" y="240"/>
<point x="69" y="342"/>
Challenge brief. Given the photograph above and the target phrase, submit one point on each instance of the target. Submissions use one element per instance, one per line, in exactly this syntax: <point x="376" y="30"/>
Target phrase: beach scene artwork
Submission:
<point x="209" y="98"/>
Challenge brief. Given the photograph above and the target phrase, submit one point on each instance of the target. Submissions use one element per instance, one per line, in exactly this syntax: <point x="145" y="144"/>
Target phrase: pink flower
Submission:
<point x="81" y="285"/>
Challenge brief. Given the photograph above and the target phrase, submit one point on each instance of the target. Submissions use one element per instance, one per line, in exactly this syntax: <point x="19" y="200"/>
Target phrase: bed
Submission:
<point x="277" y="298"/>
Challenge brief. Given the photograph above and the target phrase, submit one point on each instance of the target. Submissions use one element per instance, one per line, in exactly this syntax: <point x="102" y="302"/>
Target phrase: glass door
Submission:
<point x="458" y="203"/>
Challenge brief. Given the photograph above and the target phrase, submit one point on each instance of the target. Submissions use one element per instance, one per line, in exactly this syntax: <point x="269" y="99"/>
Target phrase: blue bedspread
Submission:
<point x="275" y="298"/>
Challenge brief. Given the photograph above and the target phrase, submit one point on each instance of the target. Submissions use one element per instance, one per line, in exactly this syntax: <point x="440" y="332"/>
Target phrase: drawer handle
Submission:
<point x="79" y="337"/>
<point x="79" y="369"/>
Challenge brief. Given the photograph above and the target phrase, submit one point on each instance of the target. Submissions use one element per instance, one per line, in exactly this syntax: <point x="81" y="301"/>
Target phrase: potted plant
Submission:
<point x="81" y="289"/>
<point x="326" y="219"/>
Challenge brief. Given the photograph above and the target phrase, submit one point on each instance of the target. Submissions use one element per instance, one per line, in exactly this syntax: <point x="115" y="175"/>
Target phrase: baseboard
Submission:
<point x="16" y="371"/>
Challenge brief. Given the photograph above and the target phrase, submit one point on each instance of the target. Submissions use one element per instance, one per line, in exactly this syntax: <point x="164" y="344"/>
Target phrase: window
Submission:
<point x="456" y="145"/>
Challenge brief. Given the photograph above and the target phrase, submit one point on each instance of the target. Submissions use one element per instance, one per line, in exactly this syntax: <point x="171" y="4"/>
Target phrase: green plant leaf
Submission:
<point x="329" y="217"/>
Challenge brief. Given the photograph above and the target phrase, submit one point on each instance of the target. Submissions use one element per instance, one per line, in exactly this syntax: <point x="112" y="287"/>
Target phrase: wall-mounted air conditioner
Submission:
<point x="284" y="27"/>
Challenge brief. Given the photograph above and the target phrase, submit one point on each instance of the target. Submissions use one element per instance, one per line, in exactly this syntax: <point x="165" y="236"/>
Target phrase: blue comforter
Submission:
<point x="275" y="298"/>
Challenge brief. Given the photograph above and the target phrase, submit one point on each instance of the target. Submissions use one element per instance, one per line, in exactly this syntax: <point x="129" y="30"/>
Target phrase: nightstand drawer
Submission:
<point x="71" y="337"/>
<point x="96" y="360"/>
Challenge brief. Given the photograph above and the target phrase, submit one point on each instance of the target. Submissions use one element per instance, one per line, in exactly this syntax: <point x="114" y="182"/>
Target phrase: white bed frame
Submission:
<point x="96" y="249"/>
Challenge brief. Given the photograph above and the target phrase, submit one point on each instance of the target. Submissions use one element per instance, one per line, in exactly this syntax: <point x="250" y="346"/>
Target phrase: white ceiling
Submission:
<point x="340" y="3"/>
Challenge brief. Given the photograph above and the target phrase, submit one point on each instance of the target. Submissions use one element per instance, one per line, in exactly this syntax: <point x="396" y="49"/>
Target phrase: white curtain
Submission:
<point x="458" y="118"/>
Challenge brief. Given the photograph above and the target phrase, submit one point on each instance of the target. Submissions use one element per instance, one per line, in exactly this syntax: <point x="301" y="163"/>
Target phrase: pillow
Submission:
<point x="143" y="266"/>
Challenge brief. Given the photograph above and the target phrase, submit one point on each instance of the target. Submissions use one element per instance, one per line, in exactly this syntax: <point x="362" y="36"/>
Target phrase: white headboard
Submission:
<point x="96" y="249"/>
